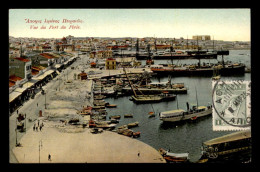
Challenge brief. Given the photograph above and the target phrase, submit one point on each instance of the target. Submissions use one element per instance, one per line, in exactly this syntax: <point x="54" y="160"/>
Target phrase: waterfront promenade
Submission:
<point x="80" y="146"/>
<point x="68" y="143"/>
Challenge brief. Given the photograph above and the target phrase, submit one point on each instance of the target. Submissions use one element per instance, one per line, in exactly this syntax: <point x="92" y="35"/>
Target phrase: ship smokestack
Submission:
<point x="188" y="107"/>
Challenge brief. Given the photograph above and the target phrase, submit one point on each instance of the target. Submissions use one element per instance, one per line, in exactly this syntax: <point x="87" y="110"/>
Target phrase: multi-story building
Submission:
<point x="201" y="37"/>
<point x="20" y="67"/>
<point x="110" y="63"/>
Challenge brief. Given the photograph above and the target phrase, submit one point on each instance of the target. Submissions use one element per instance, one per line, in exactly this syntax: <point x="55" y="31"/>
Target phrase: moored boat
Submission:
<point x="151" y="114"/>
<point x="136" y="134"/>
<point x="111" y="105"/>
<point x="128" y="115"/>
<point x="131" y="125"/>
<point x="174" y="157"/>
<point x="115" y="117"/>
<point x="180" y="114"/>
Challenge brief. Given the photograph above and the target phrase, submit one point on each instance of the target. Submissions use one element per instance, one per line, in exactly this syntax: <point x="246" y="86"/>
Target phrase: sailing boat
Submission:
<point x="165" y="96"/>
<point x="190" y="114"/>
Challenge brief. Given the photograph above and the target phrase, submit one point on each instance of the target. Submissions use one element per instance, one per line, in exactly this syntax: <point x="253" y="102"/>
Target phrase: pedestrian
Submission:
<point x="34" y="127"/>
<point x="40" y="127"/>
<point x="49" y="157"/>
<point x="138" y="154"/>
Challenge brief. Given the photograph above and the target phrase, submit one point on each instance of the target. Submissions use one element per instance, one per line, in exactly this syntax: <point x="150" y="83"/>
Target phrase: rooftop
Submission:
<point x="22" y="59"/>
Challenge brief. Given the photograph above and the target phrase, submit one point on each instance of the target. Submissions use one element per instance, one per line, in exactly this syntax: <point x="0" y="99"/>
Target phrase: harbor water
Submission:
<point x="185" y="136"/>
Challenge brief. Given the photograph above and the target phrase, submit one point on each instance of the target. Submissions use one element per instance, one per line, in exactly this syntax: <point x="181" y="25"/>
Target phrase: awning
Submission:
<point x="57" y="66"/>
<point x="20" y="90"/>
<point x="41" y="77"/>
<point x="66" y="62"/>
<point x="229" y="137"/>
<point x="48" y="72"/>
<point x="14" y="95"/>
<point x="30" y="83"/>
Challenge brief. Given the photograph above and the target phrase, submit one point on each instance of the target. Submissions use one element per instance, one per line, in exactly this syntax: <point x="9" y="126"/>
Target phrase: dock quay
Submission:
<point x="70" y="107"/>
<point x="59" y="142"/>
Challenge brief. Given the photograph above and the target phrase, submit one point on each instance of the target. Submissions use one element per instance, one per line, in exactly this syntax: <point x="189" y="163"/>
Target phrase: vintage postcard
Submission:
<point x="129" y="85"/>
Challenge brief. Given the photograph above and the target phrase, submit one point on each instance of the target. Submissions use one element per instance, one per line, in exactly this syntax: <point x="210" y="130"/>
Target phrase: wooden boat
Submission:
<point x="123" y="127"/>
<point x="174" y="157"/>
<point x="136" y="134"/>
<point x="156" y="90"/>
<point x="128" y="115"/>
<point x="152" y="98"/>
<point x="111" y="105"/>
<point x="148" y="98"/>
<point x="131" y="125"/>
<point x="98" y="107"/>
<point x="100" y="103"/>
<point x="115" y="117"/>
<point x="114" y="121"/>
<point x="106" y="126"/>
<point x="127" y="132"/>
<point x="99" y="97"/>
<point x="151" y="114"/>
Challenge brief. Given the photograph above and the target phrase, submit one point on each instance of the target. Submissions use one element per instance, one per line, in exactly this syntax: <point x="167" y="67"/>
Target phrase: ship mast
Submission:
<point x="177" y="101"/>
<point x="198" y="50"/>
<point x="171" y="52"/>
<point x="187" y="43"/>
<point x="130" y="82"/>
<point x="213" y="44"/>
<point x="196" y="97"/>
<point x="137" y="48"/>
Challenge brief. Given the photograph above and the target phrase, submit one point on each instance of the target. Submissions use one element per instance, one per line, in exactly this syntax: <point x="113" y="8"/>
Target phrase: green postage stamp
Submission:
<point x="231" y="101"/>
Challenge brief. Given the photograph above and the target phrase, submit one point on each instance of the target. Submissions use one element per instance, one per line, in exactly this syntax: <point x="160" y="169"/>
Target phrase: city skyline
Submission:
<point x="222" y="24"/>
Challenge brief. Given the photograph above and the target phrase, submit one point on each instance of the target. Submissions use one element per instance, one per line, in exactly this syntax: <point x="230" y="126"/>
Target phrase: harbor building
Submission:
<point x="201" y="37"/>
<point x="110" y="63"/>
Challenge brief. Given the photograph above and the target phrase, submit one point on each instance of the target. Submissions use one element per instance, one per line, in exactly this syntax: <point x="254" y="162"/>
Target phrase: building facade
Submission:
<point x="20" y="67"/>
<point x="201" y="37"/>
<point x="110" y="63"/>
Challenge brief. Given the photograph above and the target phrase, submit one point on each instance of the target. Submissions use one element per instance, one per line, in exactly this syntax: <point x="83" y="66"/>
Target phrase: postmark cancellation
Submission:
<point x="231" y="101"/>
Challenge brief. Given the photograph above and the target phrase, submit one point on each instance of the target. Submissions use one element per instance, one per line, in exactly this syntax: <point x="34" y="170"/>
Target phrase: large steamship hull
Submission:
<point x="228" y="71"/>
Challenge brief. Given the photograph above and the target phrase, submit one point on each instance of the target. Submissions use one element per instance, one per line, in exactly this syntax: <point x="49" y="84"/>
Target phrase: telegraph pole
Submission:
<point x="16" y="133"/>
<point x="45" y="101"/>
<point x="40" y="145"/>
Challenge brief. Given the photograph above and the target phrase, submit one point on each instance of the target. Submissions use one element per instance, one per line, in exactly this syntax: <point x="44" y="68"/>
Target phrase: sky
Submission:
<point x="222" y="24"/>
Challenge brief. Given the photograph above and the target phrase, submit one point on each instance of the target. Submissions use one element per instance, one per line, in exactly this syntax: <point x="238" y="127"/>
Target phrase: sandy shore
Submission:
<point x="78" y="145"/>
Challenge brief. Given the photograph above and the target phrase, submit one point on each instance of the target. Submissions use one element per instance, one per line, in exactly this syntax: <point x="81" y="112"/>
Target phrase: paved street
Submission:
<point x="60" y="105"/>
<point x="31" y="109"/>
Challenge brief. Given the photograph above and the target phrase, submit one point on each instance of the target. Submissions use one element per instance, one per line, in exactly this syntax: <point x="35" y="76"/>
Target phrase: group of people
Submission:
<point x="38" y="125"/>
